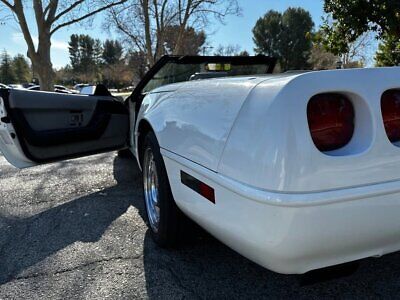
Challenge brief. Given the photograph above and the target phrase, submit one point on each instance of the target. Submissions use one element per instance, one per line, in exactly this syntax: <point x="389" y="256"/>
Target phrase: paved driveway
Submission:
<point x="76" y="230"/>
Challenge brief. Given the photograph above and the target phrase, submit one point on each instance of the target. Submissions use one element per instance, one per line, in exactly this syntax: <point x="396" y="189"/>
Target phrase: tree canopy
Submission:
<point x="351" y="19"/>
<point x="7" y="75"/>
<point x="228" y="50"/>
<point x="50" y="16"/>
<point x="321" y="59"/>
<point x="14" y="69"/>
<point x="22" y="69"/>
<point x="267" y="34"/>
<point x="95" y="62"/>
<point x="147" y="24"/>
<point x="388" y="53"/>
<point x="191" y="40"/>
<point x="287" y="36"/>
<point x="112" y="52"/>
<point x="85" y="56"/>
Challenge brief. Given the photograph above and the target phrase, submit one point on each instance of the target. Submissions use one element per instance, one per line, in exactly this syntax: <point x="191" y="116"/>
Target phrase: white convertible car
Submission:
<point x="295" y="171"/>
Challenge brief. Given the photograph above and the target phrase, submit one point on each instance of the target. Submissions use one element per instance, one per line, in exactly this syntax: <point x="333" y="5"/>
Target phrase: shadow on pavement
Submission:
<point x="25" y="242"/>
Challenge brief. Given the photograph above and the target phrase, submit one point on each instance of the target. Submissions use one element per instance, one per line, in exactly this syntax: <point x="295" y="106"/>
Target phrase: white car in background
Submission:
<point x="57" y="89"/>
<point x="87" y="90"/>
<point x="295" y="171"/>
<point x="15" y="86"/>
<point x="79" y="86"/>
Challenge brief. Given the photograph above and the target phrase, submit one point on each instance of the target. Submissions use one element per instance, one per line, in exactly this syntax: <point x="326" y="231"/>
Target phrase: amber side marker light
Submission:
<point x="390" y="106"/>
<point x="331" y="121"/>
<point x="198" y="186"/>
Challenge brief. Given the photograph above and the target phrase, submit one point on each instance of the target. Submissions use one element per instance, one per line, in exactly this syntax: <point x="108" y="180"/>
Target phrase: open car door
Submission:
<point x="39" y="127"/>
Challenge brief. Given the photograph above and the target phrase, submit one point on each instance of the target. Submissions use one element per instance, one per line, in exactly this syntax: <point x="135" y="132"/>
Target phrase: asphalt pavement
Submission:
<point x="76" y="230"/>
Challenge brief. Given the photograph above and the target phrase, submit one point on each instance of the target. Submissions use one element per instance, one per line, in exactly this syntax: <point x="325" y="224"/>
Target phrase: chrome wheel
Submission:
<point x="151" y="189"/>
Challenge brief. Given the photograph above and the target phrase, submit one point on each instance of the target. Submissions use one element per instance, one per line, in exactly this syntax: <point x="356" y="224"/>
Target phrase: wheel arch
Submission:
<point x="144" y="127"/>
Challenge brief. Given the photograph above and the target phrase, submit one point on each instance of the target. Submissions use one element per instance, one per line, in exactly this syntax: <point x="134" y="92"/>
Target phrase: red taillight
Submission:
<point x="207" y="192"/>
<point x="331" y="121"/>
<point x="390" y="105"/>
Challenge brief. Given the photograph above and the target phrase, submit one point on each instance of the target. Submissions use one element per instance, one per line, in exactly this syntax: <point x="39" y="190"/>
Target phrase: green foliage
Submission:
<point x="112" y="52"/>
<point x="95" y="62"/>
<point x="137" y="64"/>
<point x="287" y="36"/>
<point x="97" y="52"/>
<point x="321" y="59"/>
<point x="353" y="18"/>
<point x="84" y="53"/>
<point x="21" y="69"/>
<point x="7" y="75"/>
<point x="388" y="53"/>
<point x="87" y="51"/>
<point x="92" y="61"/>
<point x="74" y="52"/>
<point x="267" y="34"/>
<point x="14" y="70"/>
<point x="191" y="43"/>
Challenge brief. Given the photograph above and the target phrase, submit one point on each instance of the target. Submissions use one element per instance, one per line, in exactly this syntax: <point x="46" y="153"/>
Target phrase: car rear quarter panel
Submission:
<point x="270" y="146"/>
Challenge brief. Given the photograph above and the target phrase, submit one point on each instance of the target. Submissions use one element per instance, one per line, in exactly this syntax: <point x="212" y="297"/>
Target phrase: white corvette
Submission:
<point x="295" y="171"/>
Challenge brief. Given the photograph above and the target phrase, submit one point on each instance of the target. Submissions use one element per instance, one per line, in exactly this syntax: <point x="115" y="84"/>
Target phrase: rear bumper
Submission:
<point x="293" y="233"/>
<point x="294" y="240"/>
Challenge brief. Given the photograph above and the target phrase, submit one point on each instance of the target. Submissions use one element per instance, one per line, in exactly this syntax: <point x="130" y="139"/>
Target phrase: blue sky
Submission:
<point x="236" y="30"/>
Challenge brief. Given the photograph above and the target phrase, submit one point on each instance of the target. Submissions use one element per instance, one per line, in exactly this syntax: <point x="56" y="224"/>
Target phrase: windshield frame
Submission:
<point x="270" y="63"/>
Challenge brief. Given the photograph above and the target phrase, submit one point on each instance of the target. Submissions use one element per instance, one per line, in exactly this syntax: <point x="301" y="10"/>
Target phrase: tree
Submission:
<point x="7" y="75"/>
<point x="137" y="62"/>
<point x="356" y="54"/>
<point x="267" y="34"/>
<point x="286" y="36"/>
<point x="321" y="59"/>
<point x="228" y="50"/>
<point x="388" y="53"/>
<point x="98" y="52"/>
<point x="51" y="16"/>
<point x="65" y="76"/>
<point x="21" y="69"/>
<point x="112" y="52"/>
<point x="116" y="75"/>
<point x="146" y="23"/>
<point x="192" y="40"/>
<point x="85" y="56"/>
<point x="351" y="19"/>
<point x="86" y="49"/>
<point x="74" y="52"/>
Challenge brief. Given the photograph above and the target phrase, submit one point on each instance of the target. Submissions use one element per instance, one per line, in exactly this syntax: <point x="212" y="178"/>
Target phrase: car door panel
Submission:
<point x="54" y="126"/>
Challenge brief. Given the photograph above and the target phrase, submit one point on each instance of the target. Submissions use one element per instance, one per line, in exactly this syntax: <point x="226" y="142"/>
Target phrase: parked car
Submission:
<point x="79" y="86"/>
<point x="57" y="89"/>
<point x="87" y="90"/>
<point x="295" y="171"/>
<point x="4" y="86"/>
<point x="28" y="85"/>
<point x="15" y="86"/>
<point x="128" y="89"/>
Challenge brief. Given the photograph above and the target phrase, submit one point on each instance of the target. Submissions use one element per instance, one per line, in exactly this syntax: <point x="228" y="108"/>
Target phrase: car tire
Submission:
<point x="125" y="153"/>
<point x="164" y="218"/>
